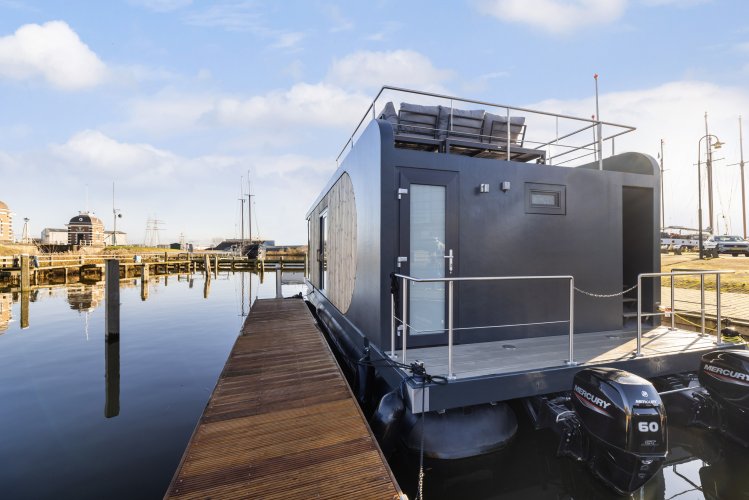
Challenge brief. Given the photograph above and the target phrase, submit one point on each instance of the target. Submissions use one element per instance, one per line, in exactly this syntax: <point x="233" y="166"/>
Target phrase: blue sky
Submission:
<point x="175" y="100"/>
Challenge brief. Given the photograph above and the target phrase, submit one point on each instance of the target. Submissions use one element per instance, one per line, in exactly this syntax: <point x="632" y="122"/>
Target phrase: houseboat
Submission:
<point x="466" y="254"/>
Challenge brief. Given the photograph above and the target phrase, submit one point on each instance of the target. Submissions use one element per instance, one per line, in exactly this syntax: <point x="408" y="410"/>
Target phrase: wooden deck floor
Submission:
<point x="472" y="360"/>
<point x="282" y="422"/>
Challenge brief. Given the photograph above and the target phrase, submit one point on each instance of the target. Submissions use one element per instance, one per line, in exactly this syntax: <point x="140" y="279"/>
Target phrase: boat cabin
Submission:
<point x="500" y="246"/>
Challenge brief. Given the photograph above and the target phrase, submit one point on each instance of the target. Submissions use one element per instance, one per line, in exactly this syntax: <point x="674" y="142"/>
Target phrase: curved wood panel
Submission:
<point x="341" y="248"/>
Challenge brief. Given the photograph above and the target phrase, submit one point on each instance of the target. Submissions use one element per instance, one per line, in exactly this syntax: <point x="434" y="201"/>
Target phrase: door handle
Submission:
<point x="449" y="258"/>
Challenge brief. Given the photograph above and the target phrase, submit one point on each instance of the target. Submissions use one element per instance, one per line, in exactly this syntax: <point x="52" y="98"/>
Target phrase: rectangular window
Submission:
<point x="545" y="199"/>
<point x="427" y="257"/>
<point x="324" y="249"/>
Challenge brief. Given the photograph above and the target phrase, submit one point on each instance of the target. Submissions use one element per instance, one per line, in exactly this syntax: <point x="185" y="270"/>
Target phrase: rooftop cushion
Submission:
<point x="494" y="130"/>
<point x="462" y="123"/>
<point x="389" y="114"/>
<point x="418" y="120"/>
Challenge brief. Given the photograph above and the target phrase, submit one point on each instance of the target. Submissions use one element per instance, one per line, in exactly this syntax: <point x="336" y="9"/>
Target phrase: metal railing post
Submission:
<point x="450" y="373"/>
<point x="392" y="325"/>
<point x="638" y="354"/>
<point x="673" y="311"/>
<point x="718" y="318"/>
<point x="702" y="304"/>
<point x="571" y="360"/>
<point x="404" y="315"/>
<point x="508" y="135"/>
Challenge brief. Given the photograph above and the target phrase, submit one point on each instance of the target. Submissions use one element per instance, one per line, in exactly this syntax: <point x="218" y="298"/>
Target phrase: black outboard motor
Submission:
<point x="725" y="375"/>
<point x="625" y="422"/>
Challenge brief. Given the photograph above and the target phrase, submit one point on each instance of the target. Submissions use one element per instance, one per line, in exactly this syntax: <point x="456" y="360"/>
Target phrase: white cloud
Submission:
<point x="288" y="40"/>
<point x="555" y="16"/>
<point x="676" y="3"/>
<point x="168" y="112"/>
<point x="675" y="112"/>
<point x="93" y="151"/>
<point x="52" y="51"/>
<point x="340" y="22"/>
<point x="371" y="70"/>
<point x="304" y="103"/>
<point x="162" y="5"/>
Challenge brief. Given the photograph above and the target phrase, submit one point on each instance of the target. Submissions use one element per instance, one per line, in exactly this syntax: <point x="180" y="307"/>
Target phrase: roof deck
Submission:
<point x="454" y="125"/>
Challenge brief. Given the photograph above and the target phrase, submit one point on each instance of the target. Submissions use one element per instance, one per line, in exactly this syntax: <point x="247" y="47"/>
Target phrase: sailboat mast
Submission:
<point x="743" y="188"/>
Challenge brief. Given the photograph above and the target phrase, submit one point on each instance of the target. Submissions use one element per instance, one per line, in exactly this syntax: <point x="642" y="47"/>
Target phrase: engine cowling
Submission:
<point x="725" y="375"/>
<point x="626" y="421"/>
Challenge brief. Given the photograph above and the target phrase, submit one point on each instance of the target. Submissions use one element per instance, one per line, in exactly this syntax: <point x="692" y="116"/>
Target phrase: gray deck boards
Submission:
<point x="487" y="358"/>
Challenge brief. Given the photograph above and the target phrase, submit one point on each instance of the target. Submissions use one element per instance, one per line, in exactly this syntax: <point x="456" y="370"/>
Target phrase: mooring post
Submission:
<point x="111" y="376"/>
<point x="144" y="282"/>
<point x="207" y="265"/>
<point x="279" y="295"/>
<point x="215" y="270"/>
<point x="25" y="271"/>
<point x="112" y="289"/>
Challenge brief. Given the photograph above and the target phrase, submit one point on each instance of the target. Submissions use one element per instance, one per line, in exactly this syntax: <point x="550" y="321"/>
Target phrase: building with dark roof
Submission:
<point x="86" y="229"/>
<point x="6" y="224"/>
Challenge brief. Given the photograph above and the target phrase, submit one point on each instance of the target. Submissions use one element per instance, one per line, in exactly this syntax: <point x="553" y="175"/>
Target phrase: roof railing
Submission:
<point x="555" y="136"/>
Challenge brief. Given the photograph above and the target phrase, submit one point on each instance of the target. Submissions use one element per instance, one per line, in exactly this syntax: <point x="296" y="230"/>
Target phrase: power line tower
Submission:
<point x="153" y="238"/>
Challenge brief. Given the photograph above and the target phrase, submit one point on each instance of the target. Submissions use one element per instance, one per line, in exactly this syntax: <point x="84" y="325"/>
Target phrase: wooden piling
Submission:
<point x="279" y="294"/>
<point x="144" y="282"/>
<point x="25" y="272"/>
<point x="112" y="294"/>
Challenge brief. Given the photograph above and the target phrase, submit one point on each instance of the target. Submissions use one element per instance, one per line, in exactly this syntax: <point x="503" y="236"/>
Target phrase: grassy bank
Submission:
<point x="737" y="282"/>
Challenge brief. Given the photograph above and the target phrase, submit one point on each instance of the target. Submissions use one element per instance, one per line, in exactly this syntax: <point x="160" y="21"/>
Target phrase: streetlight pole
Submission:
<point x="716" y="145"/>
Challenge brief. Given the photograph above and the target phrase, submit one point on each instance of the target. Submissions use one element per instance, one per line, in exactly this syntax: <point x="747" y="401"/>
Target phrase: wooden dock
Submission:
<point x="282" y="421"/>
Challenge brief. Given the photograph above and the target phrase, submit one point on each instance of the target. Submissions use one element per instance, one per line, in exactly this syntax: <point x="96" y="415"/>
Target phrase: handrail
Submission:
<point x="450" y="312"/>
<point x="592" y="122"/>
<point x="686" y="272"/>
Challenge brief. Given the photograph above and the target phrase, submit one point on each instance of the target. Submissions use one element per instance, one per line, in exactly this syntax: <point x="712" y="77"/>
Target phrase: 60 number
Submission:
<point x="648" y="426"/>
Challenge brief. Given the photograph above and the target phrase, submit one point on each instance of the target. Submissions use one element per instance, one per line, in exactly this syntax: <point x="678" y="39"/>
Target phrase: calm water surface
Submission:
<point x="65" y="436"/>
<point x="56" y="440"/>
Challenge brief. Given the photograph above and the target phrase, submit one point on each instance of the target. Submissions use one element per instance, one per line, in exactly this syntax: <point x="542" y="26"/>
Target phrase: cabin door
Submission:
<point x="428" y="236"/>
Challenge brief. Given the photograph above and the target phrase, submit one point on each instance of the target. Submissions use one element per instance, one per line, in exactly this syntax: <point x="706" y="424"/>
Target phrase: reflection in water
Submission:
<point x="112" y="376"/>
<point x="6" y="301"/>
<point x="25" y="297"/>
<point x="700" y="464"/>
<point x="85" y="297"/>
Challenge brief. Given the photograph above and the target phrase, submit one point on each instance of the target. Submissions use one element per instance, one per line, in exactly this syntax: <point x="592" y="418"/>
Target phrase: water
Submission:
<point x="56" y="440"/>
<point x="700" y="465"/>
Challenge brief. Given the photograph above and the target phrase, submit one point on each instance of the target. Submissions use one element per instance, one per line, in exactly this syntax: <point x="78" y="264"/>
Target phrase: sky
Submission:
<point x="178" y="103"/>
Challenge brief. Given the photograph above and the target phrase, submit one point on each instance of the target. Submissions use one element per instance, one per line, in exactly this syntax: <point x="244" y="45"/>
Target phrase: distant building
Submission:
<point x="86" y="230"/>
<point x="54" y="236"/>
<point x="110" y="239"/>
<point x="6" y="224"/>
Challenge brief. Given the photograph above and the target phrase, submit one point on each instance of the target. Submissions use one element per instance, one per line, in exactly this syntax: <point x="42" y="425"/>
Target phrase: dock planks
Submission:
<point x="282" y="422"/>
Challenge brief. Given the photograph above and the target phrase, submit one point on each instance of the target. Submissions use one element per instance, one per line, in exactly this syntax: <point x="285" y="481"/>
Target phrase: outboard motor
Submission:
<point x="626" y="424"/>
<point x="613" y="420"/>
<point x="725" y="375"/>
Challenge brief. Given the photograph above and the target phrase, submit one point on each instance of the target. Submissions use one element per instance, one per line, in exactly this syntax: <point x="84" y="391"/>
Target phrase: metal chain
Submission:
<point x="605" y="295"/>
